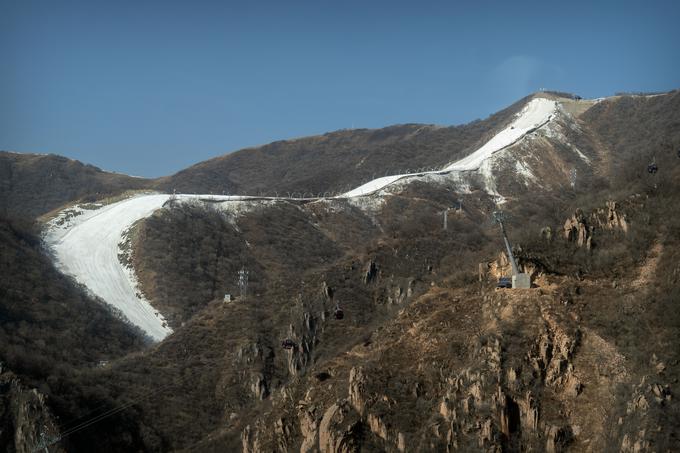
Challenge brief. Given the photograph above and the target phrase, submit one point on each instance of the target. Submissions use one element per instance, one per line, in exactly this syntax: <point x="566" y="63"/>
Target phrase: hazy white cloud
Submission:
<point x="519" y="75"/>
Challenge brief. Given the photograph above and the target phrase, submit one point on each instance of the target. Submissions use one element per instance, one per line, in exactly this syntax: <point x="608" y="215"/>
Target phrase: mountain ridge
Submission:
<point x="429" y="356"/>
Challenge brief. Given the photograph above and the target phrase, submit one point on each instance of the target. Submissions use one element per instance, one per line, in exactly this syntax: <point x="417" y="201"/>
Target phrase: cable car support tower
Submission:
<point x="519" y="279"/>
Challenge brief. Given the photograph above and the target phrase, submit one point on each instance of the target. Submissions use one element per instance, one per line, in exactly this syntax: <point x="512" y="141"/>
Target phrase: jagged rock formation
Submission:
<point x="580" y="230"/>
<point x="255" y="362"/>
<point x="611" y="218"/>
<point x="26" y="422"/>
<point x="577" y="230"/>
<point x="501" y="267"/>
<point x="503" y="398"/>
<point x="532" y="379"/>
<point x="641" y="422"/>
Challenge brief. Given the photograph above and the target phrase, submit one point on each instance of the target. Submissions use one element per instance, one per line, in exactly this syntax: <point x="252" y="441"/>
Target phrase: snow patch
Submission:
<point x="583" y="157"/>
<point x="486" y="172"/>
<point x="230" y="206"/>
<point x="535" y="114"/>
<point x="374" y="185"/>
<point x="555" y="131"/>
<point x="522" y="169"/>
<point x="371" y="205"/>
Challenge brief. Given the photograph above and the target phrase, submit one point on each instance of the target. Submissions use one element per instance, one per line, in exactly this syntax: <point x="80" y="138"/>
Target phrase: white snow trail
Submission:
<point x="89" y="252"/>
<point x="535" y="114"/>
<point x="86" y="246"/>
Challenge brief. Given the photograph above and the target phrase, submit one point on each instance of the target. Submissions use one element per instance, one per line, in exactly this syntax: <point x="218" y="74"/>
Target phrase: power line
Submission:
<point x="46" y="442"/>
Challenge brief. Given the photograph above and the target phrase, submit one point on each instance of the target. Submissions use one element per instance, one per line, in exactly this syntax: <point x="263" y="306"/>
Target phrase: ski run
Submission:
<point x="87" y="242"/>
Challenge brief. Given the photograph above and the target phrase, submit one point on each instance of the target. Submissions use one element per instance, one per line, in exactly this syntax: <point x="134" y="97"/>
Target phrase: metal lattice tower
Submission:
<point x="243" y="281"/>
<point x="572" y="178"/>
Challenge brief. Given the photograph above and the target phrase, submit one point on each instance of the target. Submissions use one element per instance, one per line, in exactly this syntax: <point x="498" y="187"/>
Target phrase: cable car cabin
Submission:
<point x="652" y="168"/>
<point x="288" y="344"/>
<point x="339" y="313"/>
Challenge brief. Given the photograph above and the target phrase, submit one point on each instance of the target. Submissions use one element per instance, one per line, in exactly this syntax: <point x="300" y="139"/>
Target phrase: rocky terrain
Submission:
<point x="429" y="355"/>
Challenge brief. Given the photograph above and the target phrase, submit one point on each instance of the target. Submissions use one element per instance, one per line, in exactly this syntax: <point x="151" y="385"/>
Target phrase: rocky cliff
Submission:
<point x="26" y="422"/>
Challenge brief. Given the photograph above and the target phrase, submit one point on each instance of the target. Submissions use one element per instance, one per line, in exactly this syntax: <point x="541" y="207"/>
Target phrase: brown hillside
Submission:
<point x="33" y="184"/>
<point x="430" y="355"/>
<point x="337" y="161"/>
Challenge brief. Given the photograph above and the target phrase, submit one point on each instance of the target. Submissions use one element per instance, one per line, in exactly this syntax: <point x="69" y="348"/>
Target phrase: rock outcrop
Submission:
<point x="610" y="218"/>
<point x="577" y="230"/>
<point x="580" y="229"/>
<point x="640" y="428"/>
<point x="255" y="361"/>
<point x="340" y="429"/>
<point x="371" y="272"/>
<point x="517" y="388"/>
<point x="26" y="423"/>
<point x="357" y="389"/>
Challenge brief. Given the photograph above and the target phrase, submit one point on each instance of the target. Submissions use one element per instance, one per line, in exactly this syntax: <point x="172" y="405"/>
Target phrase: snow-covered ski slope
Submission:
<point x="87" y="249"/>
<point x="535" y="114"/>
<point x="87" y="246"/>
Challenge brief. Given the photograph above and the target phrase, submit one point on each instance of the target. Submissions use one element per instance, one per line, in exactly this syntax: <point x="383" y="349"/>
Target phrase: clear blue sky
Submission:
<point x="150" y="87"/>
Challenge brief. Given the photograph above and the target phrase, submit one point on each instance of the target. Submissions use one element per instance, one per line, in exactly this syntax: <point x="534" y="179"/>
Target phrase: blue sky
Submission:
<point x="150" y="87"/>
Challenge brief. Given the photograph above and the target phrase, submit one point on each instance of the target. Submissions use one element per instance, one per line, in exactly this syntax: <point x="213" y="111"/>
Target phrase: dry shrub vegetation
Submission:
<point x="284" y="166"/>
<point x="52" y="334"/>
<point x="31" y="184"/>
<point x="187" y="258"/>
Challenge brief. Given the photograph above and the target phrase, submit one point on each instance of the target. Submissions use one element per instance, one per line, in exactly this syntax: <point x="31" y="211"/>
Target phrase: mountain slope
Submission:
<point x="87" y="243"/>
<point x="428" y="356"/>
<point x="337" y="161"/>
<point x="34" y="184"/>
